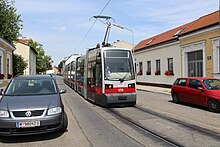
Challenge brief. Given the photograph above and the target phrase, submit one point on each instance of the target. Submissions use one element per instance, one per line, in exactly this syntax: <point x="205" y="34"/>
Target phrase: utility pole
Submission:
<point x="132" y="34"/>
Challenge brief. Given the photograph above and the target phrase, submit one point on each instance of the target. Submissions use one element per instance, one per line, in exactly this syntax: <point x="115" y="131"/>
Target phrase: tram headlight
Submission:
<point x="108" y="86"/>
<point x="132" y="85"/>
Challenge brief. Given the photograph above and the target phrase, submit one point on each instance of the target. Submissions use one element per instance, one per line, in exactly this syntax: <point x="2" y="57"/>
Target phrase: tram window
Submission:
<point x="98" y="75"/>
<point x="116" y="54"/>
<point x="118" y="65"/>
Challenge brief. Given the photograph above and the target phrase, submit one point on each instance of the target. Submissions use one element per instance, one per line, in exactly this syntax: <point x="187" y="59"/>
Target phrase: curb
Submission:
<point x="158" y="92"/>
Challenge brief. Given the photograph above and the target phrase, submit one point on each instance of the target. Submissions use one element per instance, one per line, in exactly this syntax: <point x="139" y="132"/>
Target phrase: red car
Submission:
<point x="197" y="90"/>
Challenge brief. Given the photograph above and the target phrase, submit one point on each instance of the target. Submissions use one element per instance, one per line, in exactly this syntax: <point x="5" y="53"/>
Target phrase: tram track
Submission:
<point x="195" y="134"/>
<point x="183" y="123"/>
<point x="166" y="141"/>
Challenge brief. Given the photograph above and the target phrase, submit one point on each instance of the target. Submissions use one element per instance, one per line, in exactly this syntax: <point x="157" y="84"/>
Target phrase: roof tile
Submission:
<point x="172" y="34"/>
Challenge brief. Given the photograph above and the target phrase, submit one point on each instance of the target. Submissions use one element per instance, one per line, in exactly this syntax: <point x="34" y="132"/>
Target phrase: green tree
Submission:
<point x="44" y="62"/>
<point x="10" y="22"/>
<point x="19" y="65"/>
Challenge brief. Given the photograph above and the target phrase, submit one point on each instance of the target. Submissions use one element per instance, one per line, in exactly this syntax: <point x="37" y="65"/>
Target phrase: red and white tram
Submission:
<point x="106" y="76"/>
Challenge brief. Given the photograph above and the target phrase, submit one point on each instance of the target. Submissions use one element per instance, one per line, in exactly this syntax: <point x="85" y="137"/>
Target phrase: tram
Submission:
<point x="69" y="72"/>
<point x="105" y="76"/>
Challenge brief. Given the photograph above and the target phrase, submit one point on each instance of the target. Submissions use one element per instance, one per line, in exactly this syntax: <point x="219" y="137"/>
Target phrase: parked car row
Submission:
<point x="197" y="90"/>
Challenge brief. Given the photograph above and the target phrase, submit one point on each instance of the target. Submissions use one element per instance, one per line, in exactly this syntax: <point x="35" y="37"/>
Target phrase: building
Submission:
<point x="123" y="44"/>
<point x="199" y="46"/>
<point x="54" y="70"/>
<point x="6" y="66"/>
<point x="29" y="55"/>
<point x="183" y="51"/>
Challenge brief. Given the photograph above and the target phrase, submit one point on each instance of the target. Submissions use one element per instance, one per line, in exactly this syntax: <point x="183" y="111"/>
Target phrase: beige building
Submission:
<point x="6" y="69"/>
<point x="199" y="46"/>
<point x="123" y="44"/>
<point x="29" y="55"/>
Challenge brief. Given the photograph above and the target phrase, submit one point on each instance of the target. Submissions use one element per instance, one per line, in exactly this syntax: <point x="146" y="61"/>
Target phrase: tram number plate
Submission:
<point x="27" y="124"/>
<point x="122" y="98"/>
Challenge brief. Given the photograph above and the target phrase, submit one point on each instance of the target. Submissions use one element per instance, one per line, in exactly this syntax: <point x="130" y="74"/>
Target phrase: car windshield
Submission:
<point x="212" y="84"/>
<point x="118" y="65"/>
<point x="31" y="87"/>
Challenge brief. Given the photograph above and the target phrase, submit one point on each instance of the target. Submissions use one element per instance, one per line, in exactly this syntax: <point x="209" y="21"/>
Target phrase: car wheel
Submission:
<point x="213" y="105"/>
<point x="175" y="98"/>
<point x="65" y="123"/>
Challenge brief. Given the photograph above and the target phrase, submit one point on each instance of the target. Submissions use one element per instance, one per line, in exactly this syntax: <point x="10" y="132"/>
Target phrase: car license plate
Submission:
<point x="27" y="124"/>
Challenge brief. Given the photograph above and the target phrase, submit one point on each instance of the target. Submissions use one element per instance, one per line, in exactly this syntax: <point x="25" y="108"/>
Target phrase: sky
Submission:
<point x="62" y="27"/>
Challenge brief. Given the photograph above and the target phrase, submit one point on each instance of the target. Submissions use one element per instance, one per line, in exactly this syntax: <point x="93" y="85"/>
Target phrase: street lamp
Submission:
<point x="132" y="33"/>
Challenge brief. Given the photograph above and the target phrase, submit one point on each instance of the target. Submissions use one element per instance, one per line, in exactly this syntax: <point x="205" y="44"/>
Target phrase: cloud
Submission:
<point x="61" y="25"/>
<point x="51" y="6"/>
<point x="60" y="28"/>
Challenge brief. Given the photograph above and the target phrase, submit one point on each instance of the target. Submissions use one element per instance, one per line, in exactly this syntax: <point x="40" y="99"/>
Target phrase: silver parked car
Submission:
<point x="32" y="105"/>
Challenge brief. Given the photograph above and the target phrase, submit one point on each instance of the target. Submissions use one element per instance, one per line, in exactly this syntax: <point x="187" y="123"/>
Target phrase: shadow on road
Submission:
<point x="30" y="138"/>
<point x="190" y="105"/>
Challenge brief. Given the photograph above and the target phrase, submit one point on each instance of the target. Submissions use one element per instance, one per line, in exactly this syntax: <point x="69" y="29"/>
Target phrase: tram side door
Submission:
<point x="91" y="81"/>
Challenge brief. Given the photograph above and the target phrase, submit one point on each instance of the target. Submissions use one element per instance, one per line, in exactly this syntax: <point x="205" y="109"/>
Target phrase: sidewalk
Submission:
<point x="154" y="89"/>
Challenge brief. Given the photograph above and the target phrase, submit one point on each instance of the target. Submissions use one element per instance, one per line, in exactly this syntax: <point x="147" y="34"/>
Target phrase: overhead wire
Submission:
<point x="92" y="26"/>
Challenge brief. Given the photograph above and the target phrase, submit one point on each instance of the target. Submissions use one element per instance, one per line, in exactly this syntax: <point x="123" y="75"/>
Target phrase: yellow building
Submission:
<point x="29" y="55"/>
<point x="199" y="44"/>
<point x="123" y="44"/>
<point x="6" y="70"/>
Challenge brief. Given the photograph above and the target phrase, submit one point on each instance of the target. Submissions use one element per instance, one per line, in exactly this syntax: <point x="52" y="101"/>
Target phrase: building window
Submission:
<point x="195" y="64"/>
<point x="148" y="72"/>
<point x="169" y="71"/>
<point x="193" y="57"/>
<point x="1" y="61"/>
<point x="157" y="72"/>
<point x="0" y="64"/>
<point x="8" y="66"/>
<point x="218" y="59"/>
<point x="170" y="64"/>
<point x="140" y="72"/>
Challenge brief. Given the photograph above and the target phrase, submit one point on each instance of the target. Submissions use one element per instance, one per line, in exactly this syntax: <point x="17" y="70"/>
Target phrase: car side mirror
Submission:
<point x="62" y="91"/>
<point x="201" y="89"/>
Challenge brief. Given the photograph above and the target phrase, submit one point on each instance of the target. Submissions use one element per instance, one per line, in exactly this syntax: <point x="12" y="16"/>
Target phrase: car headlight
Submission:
<point x="4" y="113"/>
<point x="54" y="110"/>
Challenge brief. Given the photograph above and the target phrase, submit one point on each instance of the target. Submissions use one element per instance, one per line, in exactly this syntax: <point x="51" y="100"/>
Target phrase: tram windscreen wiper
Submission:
<point x="123" y="79"/>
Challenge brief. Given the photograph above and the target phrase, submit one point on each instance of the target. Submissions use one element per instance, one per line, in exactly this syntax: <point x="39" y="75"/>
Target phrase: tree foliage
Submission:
<point x="10" y="22"/>
<point x="19" y="65"/>
<point x="44" y="62"/>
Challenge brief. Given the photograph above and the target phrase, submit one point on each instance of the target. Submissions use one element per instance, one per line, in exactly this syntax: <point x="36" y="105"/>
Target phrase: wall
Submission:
<point x="161" y="53"/>
<point x="32" y="62"/>
<point x="204" y="36"/>
<point x="24" y="51"/>
<point x="6" y="53"/>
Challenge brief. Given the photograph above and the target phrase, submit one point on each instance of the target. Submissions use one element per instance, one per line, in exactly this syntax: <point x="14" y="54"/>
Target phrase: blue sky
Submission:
<point x="61" y="25"/>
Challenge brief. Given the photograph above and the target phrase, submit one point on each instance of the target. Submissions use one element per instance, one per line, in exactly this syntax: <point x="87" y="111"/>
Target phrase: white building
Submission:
<point x="29" y="55"/>
<point x="158" y="58"/>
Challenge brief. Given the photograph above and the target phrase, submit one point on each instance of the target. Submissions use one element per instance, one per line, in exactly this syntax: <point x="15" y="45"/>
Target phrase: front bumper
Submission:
<point x="47" y="124"/>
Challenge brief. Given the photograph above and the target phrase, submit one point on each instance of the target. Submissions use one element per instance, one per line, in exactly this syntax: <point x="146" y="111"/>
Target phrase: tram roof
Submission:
<point x="71" y="58"/>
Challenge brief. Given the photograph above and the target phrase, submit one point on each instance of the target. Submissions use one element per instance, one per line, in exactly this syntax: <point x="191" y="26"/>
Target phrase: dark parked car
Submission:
<point x="32" y="105"/>
<point x="201" y="91"/>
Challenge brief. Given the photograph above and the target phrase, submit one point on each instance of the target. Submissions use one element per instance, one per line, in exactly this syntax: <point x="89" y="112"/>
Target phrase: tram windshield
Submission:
<point x="118" y="65"/>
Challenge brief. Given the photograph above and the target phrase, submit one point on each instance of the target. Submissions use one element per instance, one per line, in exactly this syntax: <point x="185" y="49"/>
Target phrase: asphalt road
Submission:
<point x="90" y="125"/>
<point x="86" y="128"/>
